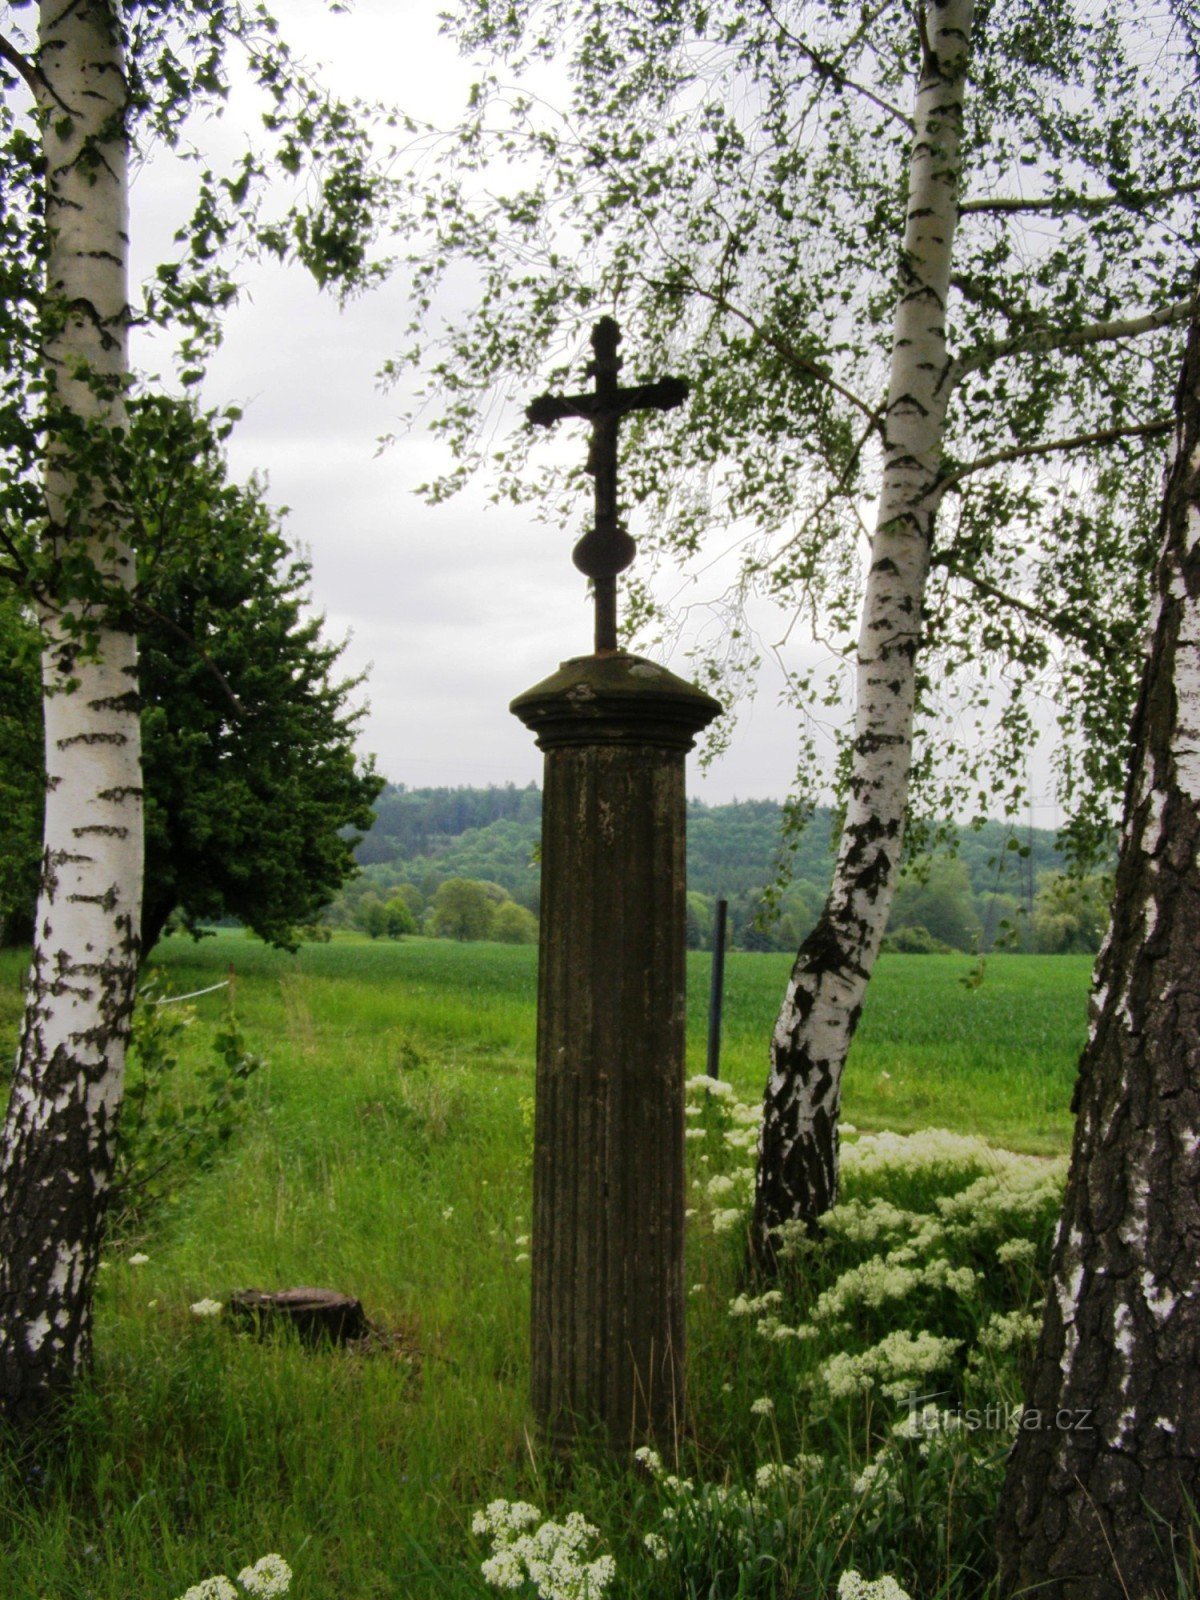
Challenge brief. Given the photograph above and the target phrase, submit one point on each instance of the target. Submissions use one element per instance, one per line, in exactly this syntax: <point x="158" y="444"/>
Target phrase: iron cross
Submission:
<point x="606" y="548"/>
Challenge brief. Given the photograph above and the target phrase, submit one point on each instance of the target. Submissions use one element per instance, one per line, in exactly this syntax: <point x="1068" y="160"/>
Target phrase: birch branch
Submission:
<point x="826" y="69"/>
<point x="22" y="65"/>
<point x="1047" y="339"/>
<point x="1077" y="441"/>
<point x="1060" y="622"/>
<point x="1085" y="203"/>
<point x="782" y="347"/>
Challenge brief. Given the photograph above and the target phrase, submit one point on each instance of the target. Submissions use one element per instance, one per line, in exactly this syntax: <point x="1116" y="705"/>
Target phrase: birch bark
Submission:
<point x="798" y="1152"/>
<point x="57" y="1151"/>
<point x="1101" y="1495"/>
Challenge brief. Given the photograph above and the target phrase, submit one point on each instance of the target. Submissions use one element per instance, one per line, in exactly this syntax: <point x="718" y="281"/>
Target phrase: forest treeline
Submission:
<point x="996" y="884"/>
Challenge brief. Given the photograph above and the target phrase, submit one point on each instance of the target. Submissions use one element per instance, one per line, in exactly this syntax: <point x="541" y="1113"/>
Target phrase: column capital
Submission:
<point x="615" y="698"/>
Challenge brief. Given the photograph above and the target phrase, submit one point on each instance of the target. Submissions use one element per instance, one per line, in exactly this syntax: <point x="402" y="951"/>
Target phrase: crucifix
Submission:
<point x="606" y="548"/>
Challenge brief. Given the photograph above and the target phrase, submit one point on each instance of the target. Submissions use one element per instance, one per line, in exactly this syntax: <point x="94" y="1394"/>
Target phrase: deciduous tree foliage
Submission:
<point x="100" y="79"/>
<point x="921" y="270"/>
<point x="251" y="781"/>
<point x="1100" y="1498"/>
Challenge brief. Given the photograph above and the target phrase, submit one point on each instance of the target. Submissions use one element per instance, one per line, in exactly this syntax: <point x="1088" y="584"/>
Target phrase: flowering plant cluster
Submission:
<point x="892" y="1344"/>
<point x="867" y="1390"/>
<point x="268" y="1579"/>
<point x="548" y="1555"/>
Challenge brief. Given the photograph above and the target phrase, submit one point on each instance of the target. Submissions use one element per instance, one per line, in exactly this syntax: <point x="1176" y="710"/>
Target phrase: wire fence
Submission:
<point x="174" y="999"/>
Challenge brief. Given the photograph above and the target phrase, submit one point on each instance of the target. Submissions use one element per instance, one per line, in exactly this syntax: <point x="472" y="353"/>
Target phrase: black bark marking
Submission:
<point x="91" y="738"/>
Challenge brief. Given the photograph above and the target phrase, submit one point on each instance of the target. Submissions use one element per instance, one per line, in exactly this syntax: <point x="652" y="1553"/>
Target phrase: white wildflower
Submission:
<point x="743" y="1307"/>
<point x="650" y="1459"/>
<point x="693" y="1133"/>
<point x="218" y="1588"/>
<point x="505" y="1516"/>
<point x="927" y="1422"/>
<point x="877" y="1475"/>
<point x="551" y="1557"/>
<point x="657" y="1546"/>
<point x="522" y="1255"/>
<point x="866" y="1221"/>
<point x="206" y="1308"/>
<point x="726" y="1221"/>
<point x="1006" y="1330"/>
<point x="268" y="1578"/>
<point x="883" y="1278"/>
<point x="139" y="1259"/>
<point x="1016" y="1252"/>
<point x="893" y="1364"/>
<point x="762" y="1407"/>
<point x="447" y="1213"/>
<point x="714" y="1086"/>
<point x="504" y="1570"/>
<point x="774" y="1474"/>
<point x="853" y="1586"/>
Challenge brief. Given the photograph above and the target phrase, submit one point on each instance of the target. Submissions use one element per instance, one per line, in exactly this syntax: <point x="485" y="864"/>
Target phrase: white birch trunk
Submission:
<point x="797" y="1165"/>
<point x="1100" y="1497"/>
<point x="56" y="1158"/>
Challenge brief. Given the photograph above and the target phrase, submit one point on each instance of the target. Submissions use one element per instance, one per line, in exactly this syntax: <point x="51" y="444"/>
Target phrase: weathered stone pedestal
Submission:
<point x="608" y="1185"/>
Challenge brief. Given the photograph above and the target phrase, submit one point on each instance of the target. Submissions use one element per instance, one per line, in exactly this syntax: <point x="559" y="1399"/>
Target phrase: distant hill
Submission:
<point x="421" y="837"/>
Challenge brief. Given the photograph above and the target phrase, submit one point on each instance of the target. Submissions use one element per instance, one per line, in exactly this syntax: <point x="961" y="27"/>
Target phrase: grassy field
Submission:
<point x="998" y="1058"/>
<point x="386" y="1153"/>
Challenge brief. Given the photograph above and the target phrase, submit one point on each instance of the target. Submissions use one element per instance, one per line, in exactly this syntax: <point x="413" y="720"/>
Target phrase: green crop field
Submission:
<point x="385" y="1151"/>
<point x="997" y="1058"/>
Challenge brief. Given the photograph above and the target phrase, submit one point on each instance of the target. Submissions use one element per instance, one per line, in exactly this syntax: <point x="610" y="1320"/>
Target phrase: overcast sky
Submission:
<point x="455" y="609"/>
<point x="451" y="610"/>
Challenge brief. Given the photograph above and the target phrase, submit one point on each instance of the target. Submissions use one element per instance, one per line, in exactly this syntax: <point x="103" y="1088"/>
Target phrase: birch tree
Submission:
<point x="1100" y="1497"/>
<point x="797" y="1172"/>
<point x="926" y="269"/>
<point x="99" y="77"/>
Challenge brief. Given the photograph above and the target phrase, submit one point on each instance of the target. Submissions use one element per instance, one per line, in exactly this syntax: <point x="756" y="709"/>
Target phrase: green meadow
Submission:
<point x="384" y="1151"/>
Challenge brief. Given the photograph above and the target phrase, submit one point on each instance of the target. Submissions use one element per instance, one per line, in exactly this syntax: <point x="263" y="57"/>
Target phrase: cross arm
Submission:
<point x="661" y="396"/>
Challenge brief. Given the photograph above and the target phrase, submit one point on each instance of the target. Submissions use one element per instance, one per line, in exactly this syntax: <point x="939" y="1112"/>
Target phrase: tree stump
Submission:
<point x="319" y="1316"/>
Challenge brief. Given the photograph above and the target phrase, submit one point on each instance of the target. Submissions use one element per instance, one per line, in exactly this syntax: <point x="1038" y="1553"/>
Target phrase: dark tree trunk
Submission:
<point x="156" y="913"/>
<point x="16" y="931"/>
<point x="1101" y="1499"/>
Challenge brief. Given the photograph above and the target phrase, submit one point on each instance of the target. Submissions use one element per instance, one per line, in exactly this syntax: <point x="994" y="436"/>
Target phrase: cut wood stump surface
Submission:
<point x="318" y="1315"/>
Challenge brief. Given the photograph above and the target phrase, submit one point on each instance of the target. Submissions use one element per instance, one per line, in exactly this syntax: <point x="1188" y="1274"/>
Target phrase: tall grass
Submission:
<point x="386" y="1153"/>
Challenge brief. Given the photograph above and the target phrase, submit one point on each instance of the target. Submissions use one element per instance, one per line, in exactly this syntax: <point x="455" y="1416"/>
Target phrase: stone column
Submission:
<point x="608" y="1186"/>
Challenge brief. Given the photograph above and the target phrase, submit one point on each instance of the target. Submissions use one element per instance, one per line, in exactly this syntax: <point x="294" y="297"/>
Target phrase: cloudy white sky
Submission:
<point x="453" y="609"/>
<point x="450" y="610"/>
